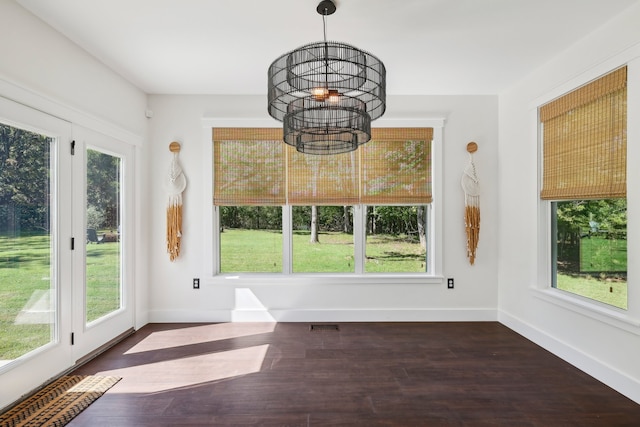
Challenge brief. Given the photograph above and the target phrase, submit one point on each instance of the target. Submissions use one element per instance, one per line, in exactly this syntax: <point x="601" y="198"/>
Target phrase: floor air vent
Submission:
<point x="316" y="328"/>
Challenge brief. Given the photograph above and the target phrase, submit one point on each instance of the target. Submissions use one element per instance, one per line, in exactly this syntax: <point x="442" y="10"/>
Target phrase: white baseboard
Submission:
<point x="333" y="315"/>
<point x="604" y="373"/>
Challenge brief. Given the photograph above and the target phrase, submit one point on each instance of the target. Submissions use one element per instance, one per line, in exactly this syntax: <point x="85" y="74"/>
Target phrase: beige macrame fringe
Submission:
<point x="472" y="227"/>
<point x="174" y="229"/>
<point x="470" y="185"/>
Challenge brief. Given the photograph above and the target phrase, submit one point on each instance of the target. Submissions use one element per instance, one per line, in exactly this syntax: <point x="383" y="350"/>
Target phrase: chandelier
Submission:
<point x="326" y="94"/>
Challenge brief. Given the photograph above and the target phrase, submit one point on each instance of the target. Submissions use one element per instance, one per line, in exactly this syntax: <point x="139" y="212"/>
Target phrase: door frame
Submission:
<point x="92" y="336"/>
<point x="32" y="369"/>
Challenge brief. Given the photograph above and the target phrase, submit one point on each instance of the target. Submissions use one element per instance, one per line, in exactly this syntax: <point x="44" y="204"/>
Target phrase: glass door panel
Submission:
<point x="103" y="273"/>
<point x="103" y="220"/>
<point x="35" y="249"/>
<point x="27" y="269"/>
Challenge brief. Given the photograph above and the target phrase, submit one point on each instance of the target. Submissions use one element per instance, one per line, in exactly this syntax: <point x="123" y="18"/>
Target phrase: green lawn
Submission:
<point x="595" y="269"/>
<point x="601" y="254"/>
<point x="609" y="291"/>
<point x="25" y="281"/>
<point x="261" y="251"/>
<point x="103" y="279"/>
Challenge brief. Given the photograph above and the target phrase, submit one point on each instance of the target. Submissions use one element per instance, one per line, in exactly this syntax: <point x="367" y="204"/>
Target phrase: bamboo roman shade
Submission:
<point x="253" y="166"/>
<point x="322" y="180"/>
<point x="396" y="167"/>
<point x="585" y="141"/>
<point x="248" y="167"/>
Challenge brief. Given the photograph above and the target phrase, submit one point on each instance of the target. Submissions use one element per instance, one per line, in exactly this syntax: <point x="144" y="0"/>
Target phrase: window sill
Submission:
<point x="328" y="279"/>
<point x="610" y="315"/>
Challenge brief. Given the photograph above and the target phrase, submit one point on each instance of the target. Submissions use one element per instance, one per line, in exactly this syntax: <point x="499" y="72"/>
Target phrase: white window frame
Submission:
<point x="628" y="320"/>
<point x="434" y="218"/>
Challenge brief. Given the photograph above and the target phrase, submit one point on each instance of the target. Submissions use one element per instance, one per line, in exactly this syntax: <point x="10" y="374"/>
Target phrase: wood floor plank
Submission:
<point x="364" y="374"/>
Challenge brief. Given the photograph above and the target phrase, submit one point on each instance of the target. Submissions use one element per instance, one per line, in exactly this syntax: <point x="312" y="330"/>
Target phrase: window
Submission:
<point x="396" y="239"/>
<point x="322" y="239"/>
<point x="584" y="179"/>
<point x="251" y="237"/>
<point x="322" y="209"/>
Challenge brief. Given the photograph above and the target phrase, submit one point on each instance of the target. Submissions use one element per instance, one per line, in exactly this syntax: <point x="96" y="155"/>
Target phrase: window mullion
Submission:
<point x="359" y="236"/>
<point x="216" y="240"/>
<point x="287" y="236"/>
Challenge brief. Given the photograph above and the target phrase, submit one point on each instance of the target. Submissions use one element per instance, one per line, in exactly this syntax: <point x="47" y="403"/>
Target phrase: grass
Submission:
<point x="607" y="290"/>
<point x="600" y="254"/>
<point x="25" y="277"/>
<point x="103" y="280"/>
<point x="596" y="270"/>
<point x="24" y="271"/>
<point x="261" y="251"/>
<point x="250" y="252"/>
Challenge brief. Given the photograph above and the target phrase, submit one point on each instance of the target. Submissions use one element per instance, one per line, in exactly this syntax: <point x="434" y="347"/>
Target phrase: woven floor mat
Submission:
<point x="59" y="402"/>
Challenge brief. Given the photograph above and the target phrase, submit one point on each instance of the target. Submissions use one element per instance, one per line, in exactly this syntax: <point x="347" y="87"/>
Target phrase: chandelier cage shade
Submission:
<point x="326" y="94"/>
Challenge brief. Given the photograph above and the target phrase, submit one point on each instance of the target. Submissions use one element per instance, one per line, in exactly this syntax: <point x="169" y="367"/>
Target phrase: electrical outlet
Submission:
<point x="196" y="283"/>
<point x="450" y="283"/>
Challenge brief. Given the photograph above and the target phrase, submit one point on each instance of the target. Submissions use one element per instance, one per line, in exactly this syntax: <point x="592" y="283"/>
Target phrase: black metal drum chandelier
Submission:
<point x="326" y="94"/>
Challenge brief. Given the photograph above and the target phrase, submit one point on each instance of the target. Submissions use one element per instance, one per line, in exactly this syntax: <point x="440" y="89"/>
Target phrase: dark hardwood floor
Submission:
<point x="364" y="374"/>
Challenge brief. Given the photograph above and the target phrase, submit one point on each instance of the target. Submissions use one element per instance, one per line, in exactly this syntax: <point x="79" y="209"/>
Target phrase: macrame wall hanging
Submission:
<point x="471" y="189"/>
<point x="175" y="184"/>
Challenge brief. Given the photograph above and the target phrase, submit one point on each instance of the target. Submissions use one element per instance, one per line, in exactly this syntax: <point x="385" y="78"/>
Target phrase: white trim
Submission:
<point x="213" y="122"/>
<point x="598" y="70"/>
<point x="37" y="101"/>
<point x="610" y="376"/>
<point x="436" y="220"/>
<point x="435" y="238"/>
<point x="287" y="242"/>
<point x="624" y="319"/>
<point x="210" y="222"/>
<point x="335" y="279"/>
<point x="589" y="308"/>
<point x="359" y="237"/>
<point x="331" y="315"/>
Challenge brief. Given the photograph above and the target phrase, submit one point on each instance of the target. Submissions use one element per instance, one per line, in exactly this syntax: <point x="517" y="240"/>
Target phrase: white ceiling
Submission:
<point x="226" y="46"/>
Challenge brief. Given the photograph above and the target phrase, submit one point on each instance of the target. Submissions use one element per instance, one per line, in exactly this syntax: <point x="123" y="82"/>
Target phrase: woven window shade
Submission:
<point x="396" y="166"/>
<point x="249" y="167"/>
<point x="322" y="180"/>
<point x="252" y="166"/>
<point x="585" y="141"/>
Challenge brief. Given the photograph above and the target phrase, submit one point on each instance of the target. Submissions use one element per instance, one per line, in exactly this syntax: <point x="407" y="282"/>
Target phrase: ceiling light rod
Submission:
<point x="326" y="94"/>
<point x="325" y="8"/>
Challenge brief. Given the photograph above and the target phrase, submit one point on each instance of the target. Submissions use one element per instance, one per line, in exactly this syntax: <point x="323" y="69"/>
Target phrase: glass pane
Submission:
<point x="591" y="249"/>
<point x="396" y="239"/>
<point x="103" y="260"/>
<point x="250" y="239"/>
<point x="27" y="273"/>
<point x="323" y="239"/>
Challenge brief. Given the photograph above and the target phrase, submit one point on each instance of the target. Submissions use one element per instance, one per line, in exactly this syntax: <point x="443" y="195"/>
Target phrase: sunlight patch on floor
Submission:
<point x="188" y="371"/>
<point x="199" y="334"/>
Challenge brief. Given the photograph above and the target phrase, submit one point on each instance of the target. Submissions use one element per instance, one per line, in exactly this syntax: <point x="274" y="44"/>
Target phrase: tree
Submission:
<point x="314" y="225"/>
<point x="103" y="186"/>
<point x="577" y="218"/>
<point x="347" y="226"/>
<point x="422" y="234"/>
<point x="24" y="179"/>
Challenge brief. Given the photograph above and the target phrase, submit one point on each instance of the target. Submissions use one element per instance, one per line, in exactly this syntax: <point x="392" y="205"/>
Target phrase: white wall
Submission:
<point x="602" y="341"/>
<point x="179" y="118"/>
